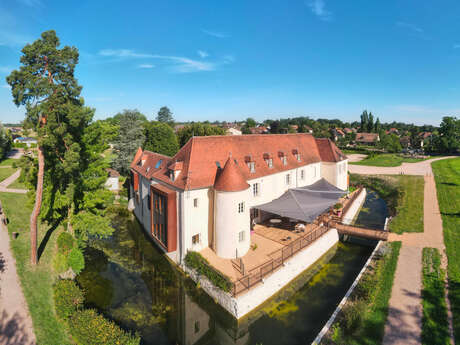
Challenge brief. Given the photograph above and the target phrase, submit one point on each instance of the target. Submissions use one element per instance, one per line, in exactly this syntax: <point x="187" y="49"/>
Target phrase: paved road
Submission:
<point x="420" y="168"/>
<point x="16" y="326"/>
<point x="404" y="322"/>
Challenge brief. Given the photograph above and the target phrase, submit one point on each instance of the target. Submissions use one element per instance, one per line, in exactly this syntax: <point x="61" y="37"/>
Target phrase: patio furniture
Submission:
<point x="275" y="221"/>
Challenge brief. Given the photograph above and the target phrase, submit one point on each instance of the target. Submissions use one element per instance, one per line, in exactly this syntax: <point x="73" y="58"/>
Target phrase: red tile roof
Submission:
<point x="328" y="151"/>
<point x="201" y="157"/>
<point x="367" y="137"/>
<point x="230" y="178"/>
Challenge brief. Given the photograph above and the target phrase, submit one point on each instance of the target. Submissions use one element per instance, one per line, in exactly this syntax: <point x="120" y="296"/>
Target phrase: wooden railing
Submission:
<point x="277" y="258"/>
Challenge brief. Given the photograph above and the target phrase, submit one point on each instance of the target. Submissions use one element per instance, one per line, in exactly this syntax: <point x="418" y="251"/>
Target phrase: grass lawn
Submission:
<point x="8" y="161"/>
<point x="18" y="185"/>
<point x="447" y="176"/>
<point x="435" y="330"/>
<point x="36" y="281"/>
<point x="409" y="209"/>
<point x="404" y="196"/>
<point x="6" y="172"/>
<point x="362" y="320"/>
<point x="386" y="160"/>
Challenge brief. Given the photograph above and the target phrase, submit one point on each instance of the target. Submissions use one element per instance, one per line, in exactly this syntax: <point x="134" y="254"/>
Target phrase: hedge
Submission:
<point x="65" y="242"/>
<point x="68" y="297"/>
<point x="201" y="265"/>
<point x="89" y="328"/>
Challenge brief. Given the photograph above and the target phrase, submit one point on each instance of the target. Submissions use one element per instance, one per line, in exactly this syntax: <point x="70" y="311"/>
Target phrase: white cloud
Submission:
<point x="202" y="54"/>
<point x="123" y="53"/>
<point x="146" y="66"/>
<point x="456" y="46"/>
<point x="318" y="7"/>
<point x="410" y="27"/>
<point x="216" y="34"/>
<point x="178" y="64"/>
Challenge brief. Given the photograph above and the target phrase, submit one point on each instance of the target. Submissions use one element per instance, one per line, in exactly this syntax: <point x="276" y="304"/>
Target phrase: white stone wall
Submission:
<point x="229" y="222"/>
<point x="273" y="283"/>
<point x="335" y="173"/>
<point x="354" y="208"/>
<point x="273" y="186"/>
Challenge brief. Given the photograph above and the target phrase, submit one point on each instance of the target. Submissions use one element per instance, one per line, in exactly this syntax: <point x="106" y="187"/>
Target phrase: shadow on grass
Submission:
<point x="454" y="298"/>
<point x="46" y="238"/>
<point x="457" y="214"/>
<point x="450" y="184"/>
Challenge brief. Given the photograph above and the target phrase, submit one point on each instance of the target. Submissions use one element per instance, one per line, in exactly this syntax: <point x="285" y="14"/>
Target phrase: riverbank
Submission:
<point x="362" y="319"/>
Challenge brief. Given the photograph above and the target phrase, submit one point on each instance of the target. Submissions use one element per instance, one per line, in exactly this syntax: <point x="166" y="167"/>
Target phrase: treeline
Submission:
<point x="5" y="141"/>
<point x="130" y="129"/>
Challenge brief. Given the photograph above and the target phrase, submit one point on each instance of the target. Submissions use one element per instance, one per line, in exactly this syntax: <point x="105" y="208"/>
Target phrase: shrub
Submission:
<point x="353" y="314"/>
<point x="60" y="263"/>
<point x="65" y="242"/>
<point x="68" y="297"/>
<point x="338" y="206"/>
<point x="201" y="265"/>
<point x="90" y="328"/>
<point x="76" y="260"/>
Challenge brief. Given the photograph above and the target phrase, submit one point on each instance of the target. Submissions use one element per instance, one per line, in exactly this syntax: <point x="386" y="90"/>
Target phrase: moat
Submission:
<point x="128" y="280"/>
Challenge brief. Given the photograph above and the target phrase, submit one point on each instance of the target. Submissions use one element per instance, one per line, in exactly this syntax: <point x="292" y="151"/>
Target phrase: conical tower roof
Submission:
<point x="230" y="178"/>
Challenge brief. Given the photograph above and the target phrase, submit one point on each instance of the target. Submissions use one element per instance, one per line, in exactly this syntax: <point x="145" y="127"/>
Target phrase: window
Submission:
<point x="284" y="160"/>
<point x="255" y="189"/>
<point x="158" y="164"/>
<point x="241" y="236"/>
<point x="270" y="163"/>
<point x="288" y="179"/>
<point x="298" y="156"/>
<point x="302" y="174"/>
<point x="195" y="202"/>
<point x="241" y="207"/>
<point x="196" y="239"/>
<point x="252" y="167"/>
<point x="197" y="326"/>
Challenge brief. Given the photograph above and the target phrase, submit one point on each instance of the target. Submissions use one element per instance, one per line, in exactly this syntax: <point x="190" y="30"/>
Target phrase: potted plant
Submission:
<point x="338" y="208"/>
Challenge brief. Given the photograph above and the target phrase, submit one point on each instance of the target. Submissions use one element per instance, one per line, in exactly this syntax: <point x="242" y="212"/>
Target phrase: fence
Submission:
<point x="278" y="258"/>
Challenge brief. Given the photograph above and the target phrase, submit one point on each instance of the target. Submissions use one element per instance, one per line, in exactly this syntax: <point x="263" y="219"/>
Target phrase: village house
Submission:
<point x="367" y="138"/>
<point x="233" y="131"/>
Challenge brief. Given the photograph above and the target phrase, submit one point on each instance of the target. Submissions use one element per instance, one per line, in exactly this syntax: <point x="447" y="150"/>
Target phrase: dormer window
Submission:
<point x="251" y="164"/>
<point x="171" y="175"/>
<point x="284" y="160"/>
<point x="268" y="159"/>
<point x="296" y="153"/>
<point x="298" y="157"/>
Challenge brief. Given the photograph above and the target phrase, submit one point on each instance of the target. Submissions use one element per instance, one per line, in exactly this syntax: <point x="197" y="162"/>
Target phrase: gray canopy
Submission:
<point x="304" y="203"/>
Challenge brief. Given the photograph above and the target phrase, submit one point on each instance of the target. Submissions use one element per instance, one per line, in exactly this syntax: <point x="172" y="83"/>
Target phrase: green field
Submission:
<point x="435" y="328"/>
<point x="447" y="176"/>
<point x="7" y="161"/>
<point x="403" y="195"/>
<point x="409" y="209"/>
<point x="18" y="185"/>
<point x="36" y="281"/>
<point x="6" y="172"/>
<point x="386" y="160"/>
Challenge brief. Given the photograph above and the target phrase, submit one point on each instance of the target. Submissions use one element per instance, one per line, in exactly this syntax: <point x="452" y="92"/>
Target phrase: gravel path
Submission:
<point x="404" y="322"/>
<point x="16" y="326"/>
<point x="9" y="180"/>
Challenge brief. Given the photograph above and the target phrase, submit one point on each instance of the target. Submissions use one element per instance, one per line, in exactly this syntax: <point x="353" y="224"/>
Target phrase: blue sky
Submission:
<point x="227" y="60"/>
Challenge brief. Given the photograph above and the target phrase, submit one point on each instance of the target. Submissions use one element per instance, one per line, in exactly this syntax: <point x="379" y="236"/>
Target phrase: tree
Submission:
<point x="46" y="86"/>
<point x="160" y="138"/>
<point x="5" y="142"/>
<point x="448" y="140"/>
<point x="130" y="138"/>
<point x="197" y="129"/>
<point x="377" y="126"/>
<point x="370" y="123"/>
<point x="275" y="127"/>
<point x="165" y="116"/>
<point x="364" y="121"/>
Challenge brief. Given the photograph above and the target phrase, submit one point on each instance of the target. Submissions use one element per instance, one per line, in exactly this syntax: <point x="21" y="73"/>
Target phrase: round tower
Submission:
<point x="232" y="220"/>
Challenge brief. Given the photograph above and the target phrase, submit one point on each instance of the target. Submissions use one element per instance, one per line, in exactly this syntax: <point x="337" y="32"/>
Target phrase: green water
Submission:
<point x="373" y="213"/>
<point x="128" y="280"/>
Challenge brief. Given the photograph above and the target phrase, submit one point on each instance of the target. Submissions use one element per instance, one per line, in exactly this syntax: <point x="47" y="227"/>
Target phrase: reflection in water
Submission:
<point x="373" y="213"/>
<point x="128" y="280"/>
